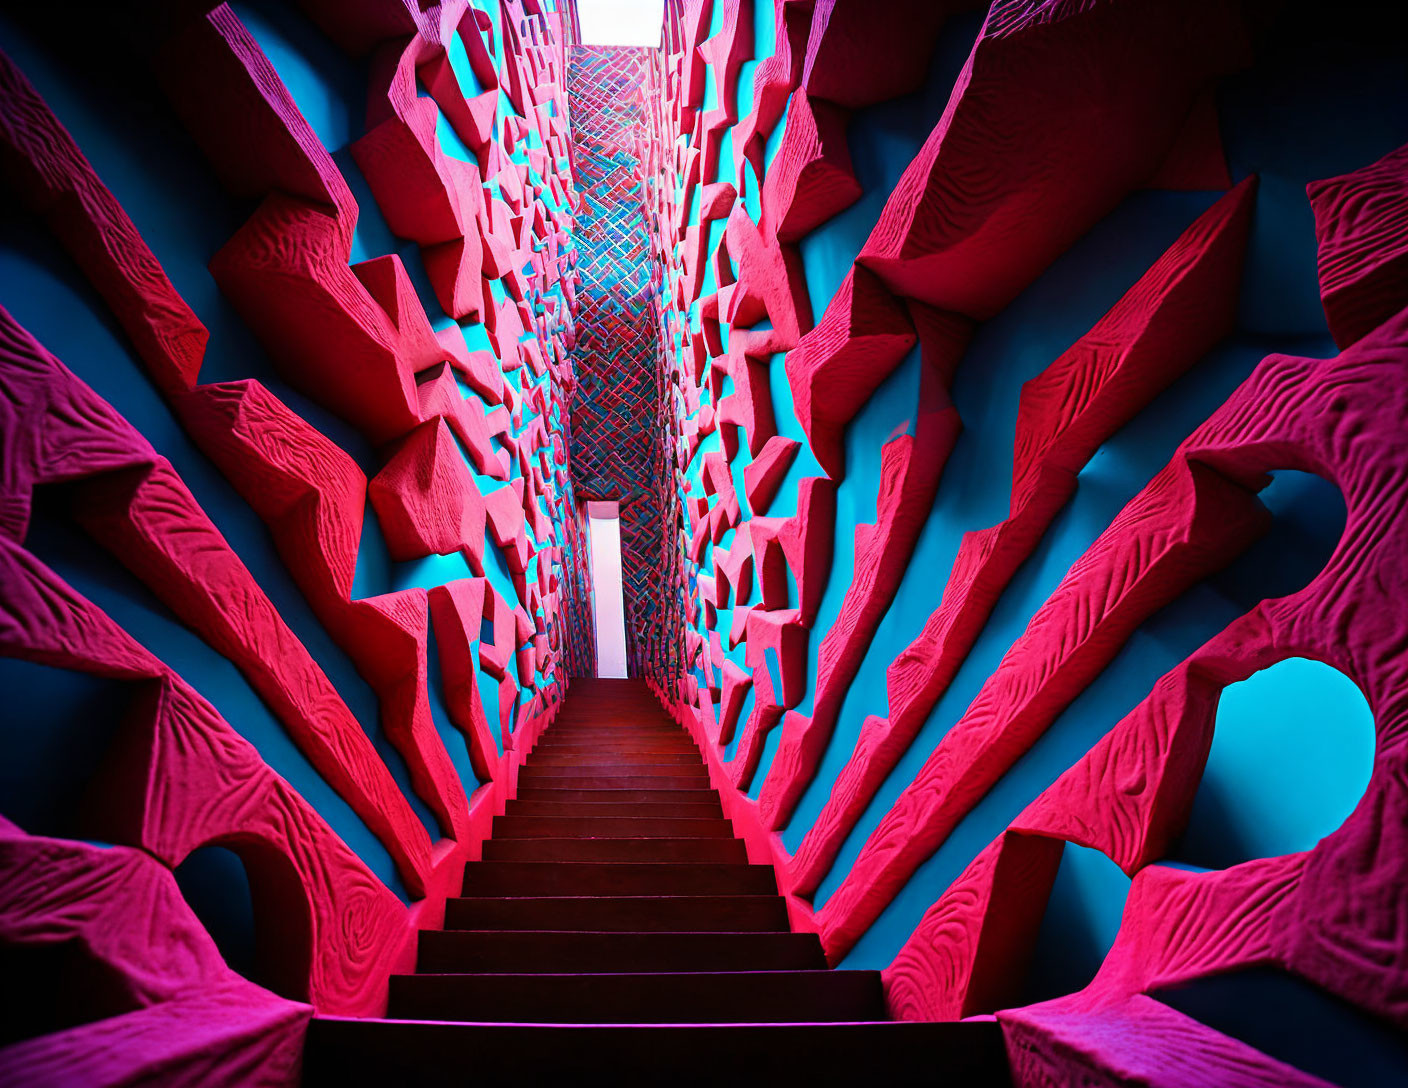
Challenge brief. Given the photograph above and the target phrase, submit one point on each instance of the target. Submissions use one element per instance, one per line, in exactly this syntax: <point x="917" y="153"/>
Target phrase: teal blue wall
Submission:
<point x="1294" y="744"/>
<point x="1352" y="122"/>
<point x="59" y="722"/>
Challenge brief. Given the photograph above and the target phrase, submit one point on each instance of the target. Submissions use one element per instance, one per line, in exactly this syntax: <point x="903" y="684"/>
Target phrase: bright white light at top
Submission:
<point x="621" y="22"/>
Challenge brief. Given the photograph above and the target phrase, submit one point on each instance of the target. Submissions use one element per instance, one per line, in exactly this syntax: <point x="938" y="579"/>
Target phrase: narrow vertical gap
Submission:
<point x="609" y="606"/>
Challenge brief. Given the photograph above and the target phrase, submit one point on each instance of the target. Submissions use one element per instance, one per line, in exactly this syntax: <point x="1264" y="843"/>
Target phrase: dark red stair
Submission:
<point x="513" y="878"/>
<point x="612" y="922"/>
<point x="645" y="850"/>
<point x="559" y="793"/>
<point x="709" y="809"/>
<point x="597" y="827"/>
<point x="553" y="951"/>
<point x="634" y="913"/>
<point x="652" y="998"/>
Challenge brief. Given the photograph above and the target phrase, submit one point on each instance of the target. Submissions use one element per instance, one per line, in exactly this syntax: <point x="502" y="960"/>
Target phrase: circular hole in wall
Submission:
<point x="1291" y="756"/>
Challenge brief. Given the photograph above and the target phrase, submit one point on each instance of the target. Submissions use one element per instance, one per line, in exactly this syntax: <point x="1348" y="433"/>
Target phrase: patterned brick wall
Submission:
<point x="617" y="448"/>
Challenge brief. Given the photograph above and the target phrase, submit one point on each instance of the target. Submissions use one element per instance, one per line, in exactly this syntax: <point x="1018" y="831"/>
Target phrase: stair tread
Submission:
<point x="640" y="997"/>
<point x="674" y="783"/>
<point x="612" y="770"/>
<point x="346" y="1051"/>
<point x="582" y="873"/>
<point x="614" y="898"/>
<point x="613" y="951"/>
<point x="562" y="793"/>
<point x="646" y="810"/>
<point x="514" y="826"/>
<point x="758" y="912"/>
<point x="609" y="848"/>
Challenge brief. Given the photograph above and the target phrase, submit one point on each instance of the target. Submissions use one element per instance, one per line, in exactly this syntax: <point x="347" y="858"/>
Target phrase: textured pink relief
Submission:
<point x="1183" y="305"/>
<point x="1330" y="915"/>
<point x="974" y="220"/>
<point x="1361" y="225"/>
<point x="161" y="1006"/>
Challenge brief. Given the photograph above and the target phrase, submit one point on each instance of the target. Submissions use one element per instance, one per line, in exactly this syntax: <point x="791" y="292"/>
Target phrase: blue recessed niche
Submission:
<point x="1292" y="751"/>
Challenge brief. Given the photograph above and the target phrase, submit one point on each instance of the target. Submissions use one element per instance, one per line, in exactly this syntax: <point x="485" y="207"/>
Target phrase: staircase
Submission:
<point x="615" y="930"/>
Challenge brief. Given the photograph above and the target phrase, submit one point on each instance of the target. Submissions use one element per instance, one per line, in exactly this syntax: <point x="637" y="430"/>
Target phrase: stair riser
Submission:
<point x="551" y="952"/>
<point x="614" y="751"/>
<point x="674" y="739"/>
<point x="547" y="827"/>
<point x="558" y="793"/>
<point x="645" y="810"/>
<point x="506" y="878"/>
<point x="558" y="735"/>
<point x="592" y="758"/>
<point x="640" y="998"/>
<point x="719" y="851"/>
<point x="605" y="768"/>
<point x="581" y="729"/>
<point x="529" y="779"/>
<point x="692" y="914"/>
<point x="345" y="1053"/>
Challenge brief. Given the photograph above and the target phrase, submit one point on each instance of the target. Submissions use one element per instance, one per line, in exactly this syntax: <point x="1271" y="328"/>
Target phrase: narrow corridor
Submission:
<point x="975" y="429"/>
<point x="613" y="895"/>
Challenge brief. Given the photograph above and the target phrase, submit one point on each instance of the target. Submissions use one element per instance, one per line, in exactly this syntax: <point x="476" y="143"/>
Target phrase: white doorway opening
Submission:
<point x="621" y="22"/>
<point x="609" y="605"/>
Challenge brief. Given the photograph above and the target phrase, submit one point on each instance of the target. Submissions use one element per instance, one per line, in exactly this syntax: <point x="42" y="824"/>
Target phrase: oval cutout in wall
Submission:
<point x="1291" y="756"/>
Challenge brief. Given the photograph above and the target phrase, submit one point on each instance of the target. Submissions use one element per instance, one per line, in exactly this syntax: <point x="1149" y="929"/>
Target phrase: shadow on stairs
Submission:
<point x="615" y="933"/>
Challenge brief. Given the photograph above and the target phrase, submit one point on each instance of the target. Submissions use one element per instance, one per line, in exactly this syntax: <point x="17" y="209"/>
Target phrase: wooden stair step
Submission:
<point x="608" y="769"/>
<point x="678" y="810"/>
<point x="592" y="757"/>
<point x="536" y="878"/>
<point x="585" y="780"/>
<point x="609" y="849"/>
<point x="551" y="827"/>
<point x="349" y="1053"/>
<point x="616" y="794"/>
<point x="554" y="951"/>
<point x="640" y="998"/>
<point x="634" y="913"/>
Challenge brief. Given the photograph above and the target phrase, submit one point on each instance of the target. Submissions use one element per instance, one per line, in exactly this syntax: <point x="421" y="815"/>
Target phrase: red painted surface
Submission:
<point x="970" y="224"/>
<point x="357" y="340"/>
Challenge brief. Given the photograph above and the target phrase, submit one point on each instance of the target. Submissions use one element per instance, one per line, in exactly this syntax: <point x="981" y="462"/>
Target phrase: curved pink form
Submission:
<point x="774" y="80"/>
<point x="863" y="335"/>
<point x="1187" y="522"/>
<point x="1361" y="225"/>
<point x="1332" y="915"/>
<point x="54" y="180"/>
<point x="240" y="625"/>
<point x="770" y="285"/>
<point x="763" y="475"/>
<point x="176" y="1013"/>
<point x="861" y="54"/>
<point x="375" y="317"/>
<point x="1183" y="305"/>
<point x="910" y="466"/>
<point x="181" y="778"/>
<point x="1003" y="186"/>
<point x="810" y="180"/>
<point x="135" y="504"/>
<point x="426" y="498"/>
<point x="426" y="195"/>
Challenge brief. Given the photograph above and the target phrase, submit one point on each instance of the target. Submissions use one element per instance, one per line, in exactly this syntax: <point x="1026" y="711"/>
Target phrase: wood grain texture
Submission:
<point x="1361" y="227"/>
<point x="1315" y="914"/>
<point x="181" y="1016"/>
<point x="1182" y="306"/>
<point x="358" y="341"/>
<point x="1000" y="188"/>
